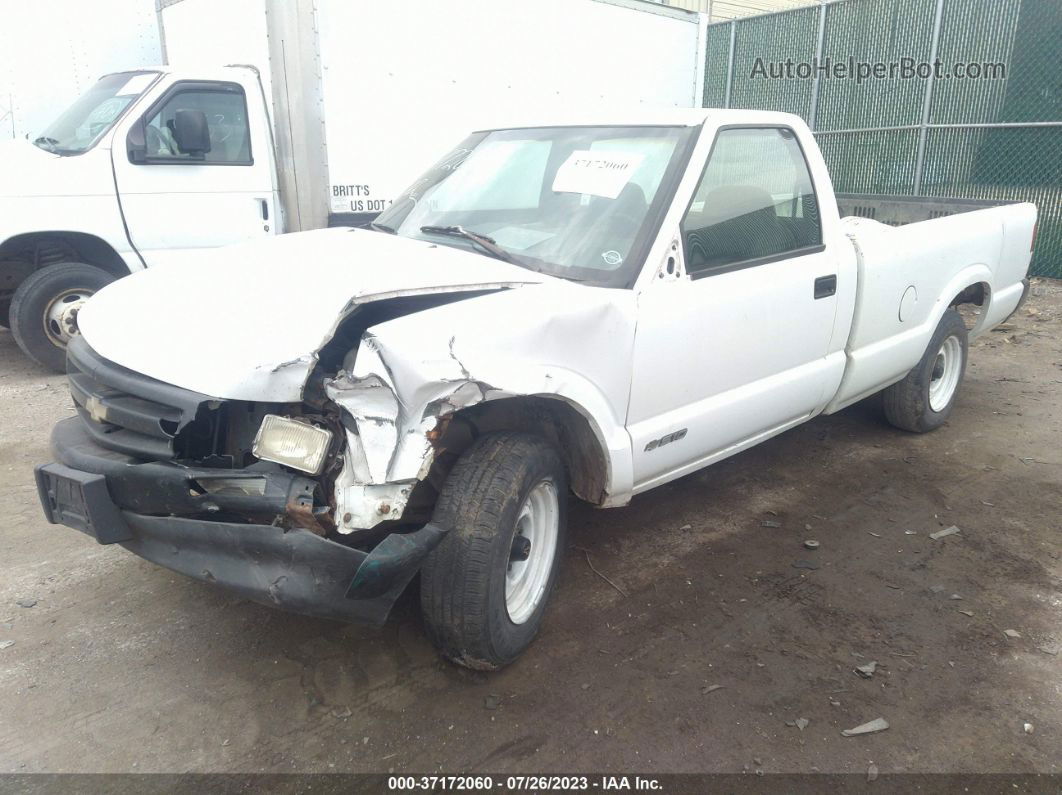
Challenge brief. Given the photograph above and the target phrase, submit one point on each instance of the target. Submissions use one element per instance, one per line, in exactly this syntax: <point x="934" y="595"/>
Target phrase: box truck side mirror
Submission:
<point x="191" y="133"/>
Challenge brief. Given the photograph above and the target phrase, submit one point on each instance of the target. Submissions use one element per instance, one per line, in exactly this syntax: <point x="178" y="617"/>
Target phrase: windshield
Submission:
<point x="93" y="113"/>
<point x="576" y="202"/>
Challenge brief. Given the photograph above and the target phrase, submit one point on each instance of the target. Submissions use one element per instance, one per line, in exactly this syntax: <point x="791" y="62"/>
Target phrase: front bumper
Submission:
<point x="119" y="500"/>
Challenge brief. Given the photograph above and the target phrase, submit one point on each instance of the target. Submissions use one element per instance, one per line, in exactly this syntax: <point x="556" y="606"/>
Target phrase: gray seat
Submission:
<point x="737" y="223"/>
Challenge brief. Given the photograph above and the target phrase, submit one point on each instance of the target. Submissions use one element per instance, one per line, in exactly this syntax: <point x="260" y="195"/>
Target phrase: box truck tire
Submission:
<point x="44" y="309"/>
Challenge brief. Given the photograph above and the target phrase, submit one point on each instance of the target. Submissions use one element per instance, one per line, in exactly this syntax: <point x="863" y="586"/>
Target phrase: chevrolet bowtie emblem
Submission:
<point x="96" y="409"/>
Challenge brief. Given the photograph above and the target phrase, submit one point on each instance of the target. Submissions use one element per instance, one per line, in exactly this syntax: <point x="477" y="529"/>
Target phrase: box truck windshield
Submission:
<point x="574" y="202"/>
<point x="93" y="113"/>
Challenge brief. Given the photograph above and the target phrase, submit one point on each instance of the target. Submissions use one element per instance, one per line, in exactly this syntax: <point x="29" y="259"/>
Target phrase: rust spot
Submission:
<point x="437" y="433"/>
<point x="299" y="509"/>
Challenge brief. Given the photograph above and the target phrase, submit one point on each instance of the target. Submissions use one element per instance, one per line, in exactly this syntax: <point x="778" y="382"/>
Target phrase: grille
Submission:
<point x="136" y="415"/>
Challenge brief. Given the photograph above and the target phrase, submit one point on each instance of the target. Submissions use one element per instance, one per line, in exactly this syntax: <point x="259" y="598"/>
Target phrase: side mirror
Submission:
<point x="191" y="133"/>
<point x="135" y="144"/>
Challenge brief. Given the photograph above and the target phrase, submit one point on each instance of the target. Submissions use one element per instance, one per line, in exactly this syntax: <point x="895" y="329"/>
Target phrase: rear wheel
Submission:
<point x="484" y="588"/>
<point x="12" y="273"/>
<point x="923" y="400"/>
<point x="44" y="309"/>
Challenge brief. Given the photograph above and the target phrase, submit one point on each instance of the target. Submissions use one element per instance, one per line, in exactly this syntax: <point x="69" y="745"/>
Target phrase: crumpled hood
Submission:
<point x="246" y="322"/>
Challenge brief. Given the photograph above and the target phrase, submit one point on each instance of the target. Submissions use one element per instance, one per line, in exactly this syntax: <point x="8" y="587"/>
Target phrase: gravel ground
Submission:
<point x="122" y="666"/>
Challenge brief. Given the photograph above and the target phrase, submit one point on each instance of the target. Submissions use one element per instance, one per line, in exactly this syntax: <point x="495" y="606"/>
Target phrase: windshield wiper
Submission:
<point x="381" y="228"/>
<point x="486" y="243"/>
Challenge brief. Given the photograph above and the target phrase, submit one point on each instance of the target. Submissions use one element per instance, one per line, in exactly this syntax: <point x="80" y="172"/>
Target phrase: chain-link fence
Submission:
<point x="976" y="114"/>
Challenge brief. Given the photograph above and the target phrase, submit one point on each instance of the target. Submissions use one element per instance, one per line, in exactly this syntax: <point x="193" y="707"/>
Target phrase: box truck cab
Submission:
<point x="153" y="164"/>
<point x="143" y="167"/>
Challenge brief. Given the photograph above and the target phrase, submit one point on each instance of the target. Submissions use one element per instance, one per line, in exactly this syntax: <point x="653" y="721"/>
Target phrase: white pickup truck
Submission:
<point x="596" y="306"/>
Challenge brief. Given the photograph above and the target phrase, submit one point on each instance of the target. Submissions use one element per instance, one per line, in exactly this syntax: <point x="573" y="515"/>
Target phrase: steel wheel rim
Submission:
<point x="944" y="378"/>
<point x="526" y="580"/>
<point x="60" y="316"/>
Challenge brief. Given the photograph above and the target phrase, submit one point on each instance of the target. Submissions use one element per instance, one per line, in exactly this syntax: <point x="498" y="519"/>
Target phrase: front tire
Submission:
<point x="44" y="309"/>
<point x="484" y="589"/>
<point x="923" y="401"/>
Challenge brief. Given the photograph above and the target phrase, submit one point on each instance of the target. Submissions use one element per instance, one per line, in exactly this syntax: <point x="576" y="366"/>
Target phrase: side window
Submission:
<point x="755" y="200"/>
<point x="226" y="114"/>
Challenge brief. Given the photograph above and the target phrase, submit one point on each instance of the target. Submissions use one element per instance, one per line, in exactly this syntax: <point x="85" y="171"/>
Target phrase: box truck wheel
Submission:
<point x="44" y="309"/>
<point x="923" y="400"/>
<point x="484" y="588"/>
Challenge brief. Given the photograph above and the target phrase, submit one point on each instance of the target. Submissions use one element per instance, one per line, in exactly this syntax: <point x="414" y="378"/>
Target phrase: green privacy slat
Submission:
<point x="974" y="31"/>
<point x="762" y="37"/>
<point x="874" y="31"/>
<point x="718" y="48"/>
<point x="1007" y="164"/>
<point x="871" y="162"/>
<point x="1012" y="164"/>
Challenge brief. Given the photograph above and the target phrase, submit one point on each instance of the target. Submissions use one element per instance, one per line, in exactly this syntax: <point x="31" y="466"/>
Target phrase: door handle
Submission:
<point x="825" y="286"/>
<point x="264" y="204"/>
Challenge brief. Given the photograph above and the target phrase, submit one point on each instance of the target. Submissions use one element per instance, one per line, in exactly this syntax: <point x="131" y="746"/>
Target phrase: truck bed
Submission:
<point x="913" y="261"/>
<point x="902" y="210"/>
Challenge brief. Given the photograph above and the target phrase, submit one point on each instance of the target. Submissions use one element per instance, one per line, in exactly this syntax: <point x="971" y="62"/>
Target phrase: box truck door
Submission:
<point x="196" y="171"/>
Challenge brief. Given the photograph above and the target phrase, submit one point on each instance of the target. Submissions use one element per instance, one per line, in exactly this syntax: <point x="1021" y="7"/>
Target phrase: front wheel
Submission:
<point x="923" y="400"/>
<point x="44" y="309"/>
<point x="484" y="588"/>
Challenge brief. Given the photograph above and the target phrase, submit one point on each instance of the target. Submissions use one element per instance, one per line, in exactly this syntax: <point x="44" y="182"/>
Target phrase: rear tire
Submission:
<point x="12" y="273"/>
<point x="923" y="401"/>
<point x="484" y="589"/>
<point x="44" y="309"/>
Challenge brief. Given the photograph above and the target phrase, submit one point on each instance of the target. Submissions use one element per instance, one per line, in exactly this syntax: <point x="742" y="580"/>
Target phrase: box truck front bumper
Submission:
<point x="104" y="495"/>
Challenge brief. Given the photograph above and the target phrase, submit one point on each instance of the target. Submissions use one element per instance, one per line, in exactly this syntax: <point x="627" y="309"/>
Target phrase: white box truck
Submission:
<point x="286" y="115"/>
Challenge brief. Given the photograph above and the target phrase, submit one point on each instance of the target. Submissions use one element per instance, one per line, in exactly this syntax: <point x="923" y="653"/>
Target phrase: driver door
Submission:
<point x="739" y="348"/>
<point x="172" y="201"/>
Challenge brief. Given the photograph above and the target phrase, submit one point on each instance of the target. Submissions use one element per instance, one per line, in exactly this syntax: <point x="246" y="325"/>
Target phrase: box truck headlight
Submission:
<point x="292" y="443"/>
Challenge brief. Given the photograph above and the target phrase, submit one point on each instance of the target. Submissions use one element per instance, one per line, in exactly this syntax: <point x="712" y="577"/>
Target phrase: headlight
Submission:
<point x="292" y="443"/>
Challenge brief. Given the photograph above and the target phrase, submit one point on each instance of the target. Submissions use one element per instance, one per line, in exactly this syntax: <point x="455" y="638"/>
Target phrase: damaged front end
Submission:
<point x="182" y="479"/>
<point x="391" y="441"/>
<point x="320" y="500"/>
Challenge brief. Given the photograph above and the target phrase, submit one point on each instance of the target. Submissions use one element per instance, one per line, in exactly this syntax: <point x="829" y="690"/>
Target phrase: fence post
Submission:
<point x="813" y="114"/>
<point x="730" y="64"/>
<point x="927" y="102"/>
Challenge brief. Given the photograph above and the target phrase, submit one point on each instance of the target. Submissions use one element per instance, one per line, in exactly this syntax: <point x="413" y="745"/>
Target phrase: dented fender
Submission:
<point x="410" y="372"/>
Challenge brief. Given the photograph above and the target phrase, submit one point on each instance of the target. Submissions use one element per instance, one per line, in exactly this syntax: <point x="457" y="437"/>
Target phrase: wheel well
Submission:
<point x="39" y="249"/>
<point x="554" y="419"/>
<point x="974" y="294"/>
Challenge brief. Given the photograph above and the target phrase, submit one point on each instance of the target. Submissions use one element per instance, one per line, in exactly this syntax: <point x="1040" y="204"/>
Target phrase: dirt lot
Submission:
<point x="123" y="666"/>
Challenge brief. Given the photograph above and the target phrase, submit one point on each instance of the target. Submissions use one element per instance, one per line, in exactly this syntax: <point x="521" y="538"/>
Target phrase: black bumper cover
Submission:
<point x="294" y="570"/>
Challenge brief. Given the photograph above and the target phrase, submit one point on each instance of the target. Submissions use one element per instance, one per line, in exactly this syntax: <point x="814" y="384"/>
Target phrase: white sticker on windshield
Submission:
<point x="597" y="173"/>
<point x="136" y="84"/>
